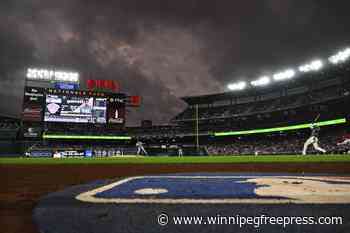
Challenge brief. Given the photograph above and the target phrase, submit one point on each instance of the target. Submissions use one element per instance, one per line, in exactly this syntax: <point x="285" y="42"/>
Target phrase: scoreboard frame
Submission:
<point x="116" y="98"/>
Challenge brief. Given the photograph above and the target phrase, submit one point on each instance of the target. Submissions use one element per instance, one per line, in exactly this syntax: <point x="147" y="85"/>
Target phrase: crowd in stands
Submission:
<point x="83" y="129"/>
<point x="308" y="89"/>
<point x="9" y="128"/>
<point x="260" y="144"/>
<point x="268" y="106"/>
<point x="9" y="125"/>
<point x="278" y="144"/>
<point x="160" y="131"/>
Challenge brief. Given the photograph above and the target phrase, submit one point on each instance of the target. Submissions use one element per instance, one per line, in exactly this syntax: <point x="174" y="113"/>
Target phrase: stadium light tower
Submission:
<point x="287" y="74"/>
<point x="262" y="81"/>
<point x="312" y="66"/>
<point x="237" y="86"/>
<point x="340" y="56"/>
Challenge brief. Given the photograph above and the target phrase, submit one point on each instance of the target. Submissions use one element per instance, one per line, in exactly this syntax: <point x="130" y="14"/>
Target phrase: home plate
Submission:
<point x="133" y="204"/>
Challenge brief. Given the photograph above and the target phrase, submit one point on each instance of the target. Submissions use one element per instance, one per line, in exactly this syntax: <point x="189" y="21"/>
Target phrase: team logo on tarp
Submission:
<point x="213" y="189"/>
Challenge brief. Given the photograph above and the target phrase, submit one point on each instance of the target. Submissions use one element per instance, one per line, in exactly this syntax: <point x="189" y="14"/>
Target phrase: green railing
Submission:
<point x="281" y="129"/>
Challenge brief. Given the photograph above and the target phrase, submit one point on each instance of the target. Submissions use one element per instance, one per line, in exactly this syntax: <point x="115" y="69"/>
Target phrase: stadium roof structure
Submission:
<point x="253" y="91"/>
<point x="302" y="75"/>
<point x="204" y="99"/>
<point x="9" y="118"/>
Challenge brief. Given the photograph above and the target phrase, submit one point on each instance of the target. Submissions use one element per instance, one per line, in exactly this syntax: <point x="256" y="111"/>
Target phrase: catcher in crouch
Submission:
<point x="313" y="139"/>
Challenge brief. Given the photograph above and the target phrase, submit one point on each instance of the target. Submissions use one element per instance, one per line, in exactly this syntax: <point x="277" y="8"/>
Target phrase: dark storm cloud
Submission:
<point x="163" y="49"/>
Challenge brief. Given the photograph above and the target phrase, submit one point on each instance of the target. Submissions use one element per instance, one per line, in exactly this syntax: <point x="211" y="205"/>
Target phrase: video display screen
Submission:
<point x="116" y="111"/>
<point x="33" y="102"/>
<point x="75" y="109"/>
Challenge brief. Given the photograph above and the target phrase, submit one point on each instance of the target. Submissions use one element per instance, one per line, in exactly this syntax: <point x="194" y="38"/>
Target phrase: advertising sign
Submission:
<point x="33" y="104"/>
<point x="32" y="132"/>
<point x="116" y="111"/>
<point x="66" y="86"/>
<point x="102" y="84"/>
<point x="39" y="74"/>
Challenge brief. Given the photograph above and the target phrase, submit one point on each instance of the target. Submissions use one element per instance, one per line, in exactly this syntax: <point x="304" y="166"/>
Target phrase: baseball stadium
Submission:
<point x="267" y="154"/>
<point x="223" y="148"/>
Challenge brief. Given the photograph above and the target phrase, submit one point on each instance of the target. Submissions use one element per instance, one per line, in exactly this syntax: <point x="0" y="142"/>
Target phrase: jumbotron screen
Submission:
<point x="75" y="109"/>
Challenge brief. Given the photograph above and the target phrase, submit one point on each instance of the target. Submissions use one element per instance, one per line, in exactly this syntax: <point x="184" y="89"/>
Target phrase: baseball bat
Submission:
<point x="317" y="117"/>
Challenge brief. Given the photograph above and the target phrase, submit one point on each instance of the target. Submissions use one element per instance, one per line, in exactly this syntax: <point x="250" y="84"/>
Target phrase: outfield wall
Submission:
<point x="10" y="148"/>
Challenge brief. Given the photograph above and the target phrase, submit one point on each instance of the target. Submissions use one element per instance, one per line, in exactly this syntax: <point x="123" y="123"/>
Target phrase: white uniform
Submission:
<point x="313" y="139"/>
<point x="346" y="141"/>
<point x="180" y="152"/>
<point x="140" y="148"/>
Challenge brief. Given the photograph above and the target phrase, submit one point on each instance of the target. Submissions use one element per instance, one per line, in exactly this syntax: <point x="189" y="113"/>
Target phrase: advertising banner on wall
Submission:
<point x="33" y="104"/>
<point x="66" y="86"/>
<point x="31" y="132"/>
<point x="116" y="110"/>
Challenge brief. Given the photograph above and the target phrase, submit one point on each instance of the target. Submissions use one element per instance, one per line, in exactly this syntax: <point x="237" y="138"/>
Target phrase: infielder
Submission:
<point x="313" y="139"/>
<point x="180" y="152"/>
<point x="140" y="148"/>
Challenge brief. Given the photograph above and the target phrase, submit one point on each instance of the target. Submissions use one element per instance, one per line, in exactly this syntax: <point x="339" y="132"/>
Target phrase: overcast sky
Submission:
<point x="164" y="49"/>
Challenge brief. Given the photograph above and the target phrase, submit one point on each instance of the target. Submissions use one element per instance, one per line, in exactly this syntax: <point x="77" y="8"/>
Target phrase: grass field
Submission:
<point x="181" y="160"/>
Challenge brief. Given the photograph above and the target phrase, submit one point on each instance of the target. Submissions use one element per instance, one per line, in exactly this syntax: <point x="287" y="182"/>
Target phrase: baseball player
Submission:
<point x="140" y="148"/>
<point x="313" y="139"/>
<point x="345" y="140"/>
<point x="180" y="152"/>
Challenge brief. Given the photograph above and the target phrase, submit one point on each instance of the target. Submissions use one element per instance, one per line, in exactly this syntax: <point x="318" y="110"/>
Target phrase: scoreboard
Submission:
<point x="69" y="106"/>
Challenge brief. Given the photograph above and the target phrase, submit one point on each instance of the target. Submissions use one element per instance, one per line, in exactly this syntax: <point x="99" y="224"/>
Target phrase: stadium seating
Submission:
<point x="326" y="92"/>
<point x="9" y="128"/>
<point x="278" y="143"/>
<point x="83" y="129"/>
<point x="268" y="106"/>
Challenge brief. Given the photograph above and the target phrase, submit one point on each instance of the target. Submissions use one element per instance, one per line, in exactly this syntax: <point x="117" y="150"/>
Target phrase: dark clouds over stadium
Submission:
<point x="164" y="49"/>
